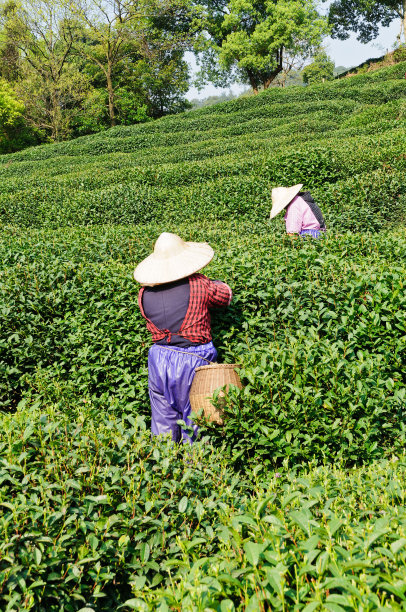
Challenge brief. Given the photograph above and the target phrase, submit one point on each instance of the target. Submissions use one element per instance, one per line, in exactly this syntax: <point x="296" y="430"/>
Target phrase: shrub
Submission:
<point x="318" y="327"/>
<point x="224" y="160"/>
<point x="97" y="516"/>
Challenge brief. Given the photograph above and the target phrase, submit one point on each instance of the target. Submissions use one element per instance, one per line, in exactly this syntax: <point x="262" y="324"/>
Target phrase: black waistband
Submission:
<point x="177" y="341"/>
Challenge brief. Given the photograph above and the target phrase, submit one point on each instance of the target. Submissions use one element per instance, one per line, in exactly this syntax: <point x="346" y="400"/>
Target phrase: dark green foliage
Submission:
<point x="223" y="161"/>
<point x="103" y="514"/>
<point x="18" y="136"/>
<point x="320" y="70"/>
<point x="319" y="327"/>
<point x="364" y="17"/>
<point x="327" y="540"/>
<point x="94" y="514"/>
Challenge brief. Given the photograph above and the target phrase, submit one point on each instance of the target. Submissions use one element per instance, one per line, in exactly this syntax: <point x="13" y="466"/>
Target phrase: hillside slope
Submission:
<point x="298" y="501"/>
<point x="344" y="140"/>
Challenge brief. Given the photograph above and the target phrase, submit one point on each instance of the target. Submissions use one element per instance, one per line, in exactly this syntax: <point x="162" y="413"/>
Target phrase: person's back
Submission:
<point x="303" y="216"/>
<point x="178" y="318"/>
<point x="166" y="306"/>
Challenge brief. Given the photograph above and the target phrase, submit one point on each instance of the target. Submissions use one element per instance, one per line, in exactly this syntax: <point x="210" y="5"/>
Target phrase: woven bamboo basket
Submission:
<point x="207" y="380"/>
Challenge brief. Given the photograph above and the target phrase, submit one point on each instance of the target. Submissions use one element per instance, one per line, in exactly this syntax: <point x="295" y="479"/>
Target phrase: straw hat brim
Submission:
<point x="282" y="200"/>
<point x="156" y="271"/>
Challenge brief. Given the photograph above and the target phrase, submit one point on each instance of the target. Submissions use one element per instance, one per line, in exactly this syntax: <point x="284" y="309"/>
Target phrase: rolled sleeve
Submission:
<point x="220" y="294"/>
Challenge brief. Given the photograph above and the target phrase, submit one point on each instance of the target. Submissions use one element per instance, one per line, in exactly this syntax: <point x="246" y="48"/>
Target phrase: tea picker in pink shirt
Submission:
<point x="302" y="216"/>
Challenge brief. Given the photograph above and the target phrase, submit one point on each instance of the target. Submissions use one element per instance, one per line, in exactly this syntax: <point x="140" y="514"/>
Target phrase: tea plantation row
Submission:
<point x="96" y="516"/>
<point x="274" y="510"/>
<point x="345" y="141"/>
<point x="320" y="329"/>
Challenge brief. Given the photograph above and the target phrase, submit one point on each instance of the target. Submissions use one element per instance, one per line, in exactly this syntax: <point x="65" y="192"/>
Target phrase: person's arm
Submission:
<point x="220" y="294"/>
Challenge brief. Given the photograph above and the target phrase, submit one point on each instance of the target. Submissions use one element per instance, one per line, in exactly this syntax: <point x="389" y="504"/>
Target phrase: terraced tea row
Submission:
<point x="320" y="329"/>
<point x="96" y="514"/>
<point x="224" y="161"/>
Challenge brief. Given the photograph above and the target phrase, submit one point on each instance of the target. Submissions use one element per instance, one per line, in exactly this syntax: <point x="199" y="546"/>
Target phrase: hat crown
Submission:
<point x="279" y="191"/>
<point x="168" y="245"/>
<point x="172" y="259"/>
<point x="282" y="196"/>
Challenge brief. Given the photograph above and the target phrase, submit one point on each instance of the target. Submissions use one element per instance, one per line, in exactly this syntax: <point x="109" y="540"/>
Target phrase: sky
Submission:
<point x="346" y="53"/>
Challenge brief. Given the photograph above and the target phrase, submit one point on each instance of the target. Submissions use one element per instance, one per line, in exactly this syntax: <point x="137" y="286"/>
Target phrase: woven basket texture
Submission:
<point x="207" y="380"/>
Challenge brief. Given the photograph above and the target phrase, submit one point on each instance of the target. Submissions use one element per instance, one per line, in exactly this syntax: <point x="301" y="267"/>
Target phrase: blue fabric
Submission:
<point x="312" y="232"/>
<point x="170" y="375"/>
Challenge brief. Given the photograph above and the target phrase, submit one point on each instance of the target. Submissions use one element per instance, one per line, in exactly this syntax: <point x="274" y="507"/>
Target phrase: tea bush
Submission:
<point x="327" y="540"/>
<point x="94" y="514"/>
<point x="320" y="329"/>
<point x="90" y="507"/>
<point x="344" y="140"/>
<point x="97" y="516"/>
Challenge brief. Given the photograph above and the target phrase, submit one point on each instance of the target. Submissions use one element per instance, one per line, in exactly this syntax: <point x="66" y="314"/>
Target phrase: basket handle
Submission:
<point x="168" y="348"/>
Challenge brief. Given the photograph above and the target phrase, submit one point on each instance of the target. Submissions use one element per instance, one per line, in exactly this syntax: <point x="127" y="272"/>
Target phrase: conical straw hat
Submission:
<point x="172" y="260"/>
<point x="281" y="197"/>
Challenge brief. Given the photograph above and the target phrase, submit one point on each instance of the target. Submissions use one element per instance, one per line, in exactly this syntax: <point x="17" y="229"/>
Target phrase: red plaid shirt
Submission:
<point x="204" y="294"/>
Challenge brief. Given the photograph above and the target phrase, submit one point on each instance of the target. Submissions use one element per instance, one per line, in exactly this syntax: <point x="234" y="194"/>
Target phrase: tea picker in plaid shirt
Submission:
<point x="175" y="302"/>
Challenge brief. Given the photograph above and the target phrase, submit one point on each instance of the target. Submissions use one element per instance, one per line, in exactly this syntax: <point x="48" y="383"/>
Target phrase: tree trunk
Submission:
<point x="253" y="81"/>
<point x="401" y="11"/>
<point x="272" y="75"/>
<point x="110" y="90"/>
<point x="54" y="114"/>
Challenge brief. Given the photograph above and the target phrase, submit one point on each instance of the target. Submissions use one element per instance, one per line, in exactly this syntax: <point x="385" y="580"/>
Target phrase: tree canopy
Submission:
<point x="85" y="65"/>
<point x="81" y="66"/>
<point x="252" y="37"/>
<point x="366" y="17"/>
<point x="13" y="132"/>
<point x="11" y="109"/>
<point x="321" y="69"/>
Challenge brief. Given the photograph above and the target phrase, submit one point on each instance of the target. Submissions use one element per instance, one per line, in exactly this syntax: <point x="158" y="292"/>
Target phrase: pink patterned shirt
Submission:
<point x="299" y="217"/>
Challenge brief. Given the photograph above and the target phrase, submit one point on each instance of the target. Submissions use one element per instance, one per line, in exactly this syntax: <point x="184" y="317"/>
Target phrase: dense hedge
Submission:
<point x="224" y="160"/>
<point x="319" y="328"/>
<point x="221" y="186"/>
<point x="328" y="540"/>
<point x="96" y="516"/>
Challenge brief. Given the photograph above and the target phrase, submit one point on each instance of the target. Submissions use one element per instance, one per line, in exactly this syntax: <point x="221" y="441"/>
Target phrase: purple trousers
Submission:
<point x="314" y="233"/>
<point x="170" y="375"/>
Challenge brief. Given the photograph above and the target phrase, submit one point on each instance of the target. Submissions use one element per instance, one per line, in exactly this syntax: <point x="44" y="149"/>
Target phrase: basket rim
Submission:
<point x="217" y="366"/>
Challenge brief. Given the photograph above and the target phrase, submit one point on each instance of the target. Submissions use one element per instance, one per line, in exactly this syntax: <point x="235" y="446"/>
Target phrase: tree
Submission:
<point x="164" y="80"/>
<point x="321" y="69"/>
<point x="80" y="66"/>
<point x="9" y="52"/>
<point x="251" y="38"/>
<point x="118" y="34"/>
<point x="291" y="70"/>
<point x="11" y="109"/>
<point x="106" y="38"/>
<point x="365" y="17"/>
<point x="48" y="84"/>
<point x="14" y="134"/>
